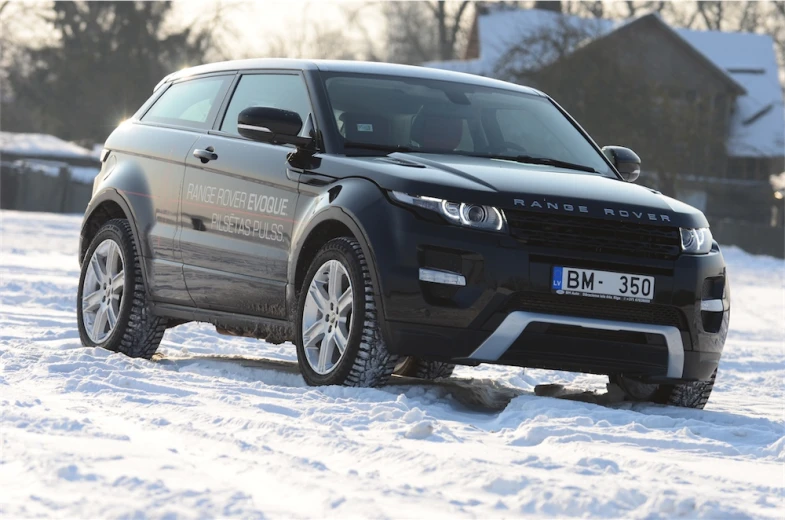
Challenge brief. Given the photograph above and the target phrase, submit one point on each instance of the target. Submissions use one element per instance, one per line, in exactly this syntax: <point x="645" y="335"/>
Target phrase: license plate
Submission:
<point x="602" y="284"/>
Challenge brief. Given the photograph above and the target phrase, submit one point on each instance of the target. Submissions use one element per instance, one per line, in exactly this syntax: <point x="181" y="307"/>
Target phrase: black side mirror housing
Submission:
<point x="626" y="162"/>
<point x="272" y="125"/>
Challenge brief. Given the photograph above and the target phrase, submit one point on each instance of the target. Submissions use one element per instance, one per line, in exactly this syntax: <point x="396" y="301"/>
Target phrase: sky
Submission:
<point x="255" y="25"/>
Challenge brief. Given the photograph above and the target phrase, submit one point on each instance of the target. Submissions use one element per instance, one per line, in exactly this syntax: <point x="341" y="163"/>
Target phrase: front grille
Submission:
<point x="584" y="307"/>
<point x="595" y="235"/>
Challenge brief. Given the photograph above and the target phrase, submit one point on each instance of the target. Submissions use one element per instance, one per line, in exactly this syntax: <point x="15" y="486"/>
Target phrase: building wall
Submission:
<point x="642" y="87"/>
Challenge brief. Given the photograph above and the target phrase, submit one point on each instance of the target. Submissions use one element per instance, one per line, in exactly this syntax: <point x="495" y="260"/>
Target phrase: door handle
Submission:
<point x="206" y="155"/>
<point x="315" y="180"/>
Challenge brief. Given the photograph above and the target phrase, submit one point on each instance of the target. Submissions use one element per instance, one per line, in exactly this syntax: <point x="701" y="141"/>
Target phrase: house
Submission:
<point x="41" y="172"/>
<point x="719" y="158"/>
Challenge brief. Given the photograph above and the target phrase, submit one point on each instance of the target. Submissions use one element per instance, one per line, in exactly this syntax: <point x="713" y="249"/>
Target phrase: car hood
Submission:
<point x="515" y="186"/>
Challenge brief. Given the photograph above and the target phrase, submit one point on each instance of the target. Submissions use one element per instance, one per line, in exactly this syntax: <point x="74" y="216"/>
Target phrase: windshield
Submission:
<point x="381" y="114"/>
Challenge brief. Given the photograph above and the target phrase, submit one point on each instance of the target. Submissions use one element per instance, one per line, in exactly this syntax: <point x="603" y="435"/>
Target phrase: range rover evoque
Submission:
<point x="393" y="219"/>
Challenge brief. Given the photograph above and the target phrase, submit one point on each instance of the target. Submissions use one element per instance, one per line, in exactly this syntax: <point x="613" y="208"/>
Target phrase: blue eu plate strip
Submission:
<point x="556" y="284"/>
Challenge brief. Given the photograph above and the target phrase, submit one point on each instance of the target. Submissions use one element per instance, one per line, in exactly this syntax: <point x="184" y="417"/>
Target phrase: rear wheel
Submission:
<point x="336" y="331"/>
<point x="112" y="308"/>
<point x="687" y="395"/>
<point x="411" y="366"/>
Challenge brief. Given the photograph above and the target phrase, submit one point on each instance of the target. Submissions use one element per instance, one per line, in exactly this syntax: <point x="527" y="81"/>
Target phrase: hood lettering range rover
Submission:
<point x="389" y="220"/>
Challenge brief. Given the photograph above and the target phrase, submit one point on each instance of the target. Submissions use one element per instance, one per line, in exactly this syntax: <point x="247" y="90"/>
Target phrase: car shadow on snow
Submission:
<point x="483" y="395"/>
<point x="488" y="396"/>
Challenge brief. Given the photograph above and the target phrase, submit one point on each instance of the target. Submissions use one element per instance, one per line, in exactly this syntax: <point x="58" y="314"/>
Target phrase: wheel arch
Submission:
<point x="104" y="207"/>
<point x="332" y="222"/>
<point x="322" y="233"/>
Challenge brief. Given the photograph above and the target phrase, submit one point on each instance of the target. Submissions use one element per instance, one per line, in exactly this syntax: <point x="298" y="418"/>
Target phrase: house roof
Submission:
<point x="501" y="29"/>
<point x="41" y="146"/>
<point x="747" y="60"/>
<point x="758" y="125"/>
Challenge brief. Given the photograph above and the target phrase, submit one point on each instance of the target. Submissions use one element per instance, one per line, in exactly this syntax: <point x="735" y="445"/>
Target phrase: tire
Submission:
<point x="365" y="360"/>
<point x="136" y="331"/>
<point x="411" y="366"/>
<point x="686" y="395"/>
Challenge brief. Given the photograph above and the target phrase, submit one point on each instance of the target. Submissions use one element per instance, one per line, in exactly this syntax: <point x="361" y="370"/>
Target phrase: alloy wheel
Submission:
<point x="102" y="291"/>
<point x="327" y="317"/>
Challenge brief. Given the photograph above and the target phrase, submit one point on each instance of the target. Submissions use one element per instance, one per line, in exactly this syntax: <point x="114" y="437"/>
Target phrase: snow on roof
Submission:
<point x="83" y="174"/>
<point x="41" y="145"/>
<point x="501" y="29"/>
<point x="757" y="127"/>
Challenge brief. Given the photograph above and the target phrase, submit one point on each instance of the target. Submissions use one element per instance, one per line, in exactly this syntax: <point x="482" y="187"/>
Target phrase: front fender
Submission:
<point x="356" y="204"/>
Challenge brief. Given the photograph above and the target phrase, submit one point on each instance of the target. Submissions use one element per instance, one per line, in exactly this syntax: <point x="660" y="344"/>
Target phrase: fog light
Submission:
<point x="439" y="276"/>
<point x="712" y="305"/>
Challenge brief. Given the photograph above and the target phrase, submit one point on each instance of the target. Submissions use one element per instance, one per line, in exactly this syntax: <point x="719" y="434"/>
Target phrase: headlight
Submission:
<point x="697" y="240"/>
<point x="474" y="216"/>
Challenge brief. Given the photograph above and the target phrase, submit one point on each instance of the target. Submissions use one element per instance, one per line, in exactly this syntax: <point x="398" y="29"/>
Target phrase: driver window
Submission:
<point x="285" y="91"/>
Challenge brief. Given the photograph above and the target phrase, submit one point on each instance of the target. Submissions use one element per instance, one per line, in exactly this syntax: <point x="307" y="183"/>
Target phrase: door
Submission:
<point x="158" y="145"/>
<point x="238" y="206"/>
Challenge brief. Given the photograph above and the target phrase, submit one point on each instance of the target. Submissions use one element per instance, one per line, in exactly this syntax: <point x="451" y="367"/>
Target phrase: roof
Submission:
<point x="41" y="146"/>
<point x="757" y="127"/>
<point x="352" y="67"/>
<point x="501" y="29"/>
<point x="747" y="60"/>
<point x="83" y="174"/>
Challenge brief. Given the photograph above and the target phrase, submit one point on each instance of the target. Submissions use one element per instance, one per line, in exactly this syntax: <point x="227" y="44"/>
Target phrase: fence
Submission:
<point x="757" y="239"/>
<point x="29" y="186"/>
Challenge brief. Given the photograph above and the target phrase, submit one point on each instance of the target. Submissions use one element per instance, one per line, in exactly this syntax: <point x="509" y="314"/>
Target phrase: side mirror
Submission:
<point x="626" y="162"/>
<point x="271" y="125"/>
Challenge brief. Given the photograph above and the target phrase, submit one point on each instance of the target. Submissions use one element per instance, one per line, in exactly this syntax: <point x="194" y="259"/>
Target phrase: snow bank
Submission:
<point x="83" y="174"/>
<point x="41" y="145"/>
<point x="86" y="433"/>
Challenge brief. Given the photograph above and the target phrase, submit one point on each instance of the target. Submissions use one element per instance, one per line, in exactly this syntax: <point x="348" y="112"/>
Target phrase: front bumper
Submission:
<point x="506" y="313"/>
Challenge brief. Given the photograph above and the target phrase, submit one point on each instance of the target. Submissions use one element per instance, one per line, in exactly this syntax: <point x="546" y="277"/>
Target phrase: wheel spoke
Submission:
<point x="111" y="255"/>
<point x="326" y="351"/>
<point x="318" y="297"/>
<point x="345" y="301"/>
<point x="96" y="266"/>
<point x="334" y="285"/>
<point x="313" y="333"/>
<point x="340" y="339"/>
<point x="118" y="280"/>
<point x="92" y="301"/>
<point x="99" y="324"/>
<point x="111" y="317"/>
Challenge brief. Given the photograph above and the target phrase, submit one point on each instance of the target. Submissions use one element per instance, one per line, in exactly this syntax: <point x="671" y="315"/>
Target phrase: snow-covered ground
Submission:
<point x="90" y="434"/>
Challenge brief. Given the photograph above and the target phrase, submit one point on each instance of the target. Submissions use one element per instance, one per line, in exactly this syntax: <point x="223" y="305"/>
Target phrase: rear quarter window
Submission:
<point x="192" y="103"/>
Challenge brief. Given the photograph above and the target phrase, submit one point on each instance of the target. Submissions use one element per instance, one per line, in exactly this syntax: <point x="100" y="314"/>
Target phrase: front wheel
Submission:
<point x="112" y="308"/>
<point x="336" y="331"/>
<point x="687" y="395"/>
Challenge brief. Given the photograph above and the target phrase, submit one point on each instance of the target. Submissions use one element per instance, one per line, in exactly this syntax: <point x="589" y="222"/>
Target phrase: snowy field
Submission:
<point x="91" y="434"/>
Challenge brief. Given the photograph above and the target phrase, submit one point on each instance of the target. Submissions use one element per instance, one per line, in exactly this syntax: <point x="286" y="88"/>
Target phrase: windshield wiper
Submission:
<point x="531" y="159"/>
<point x="374" y="146"/>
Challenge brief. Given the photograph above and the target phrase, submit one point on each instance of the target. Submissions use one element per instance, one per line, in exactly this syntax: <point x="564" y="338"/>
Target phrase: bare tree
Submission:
<point x="416" y="32"/>
<point x="531" y="51"/>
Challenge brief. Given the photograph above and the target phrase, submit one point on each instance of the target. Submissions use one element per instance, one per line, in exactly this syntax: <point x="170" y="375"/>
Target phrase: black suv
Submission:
<point x="392" y="219"/>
